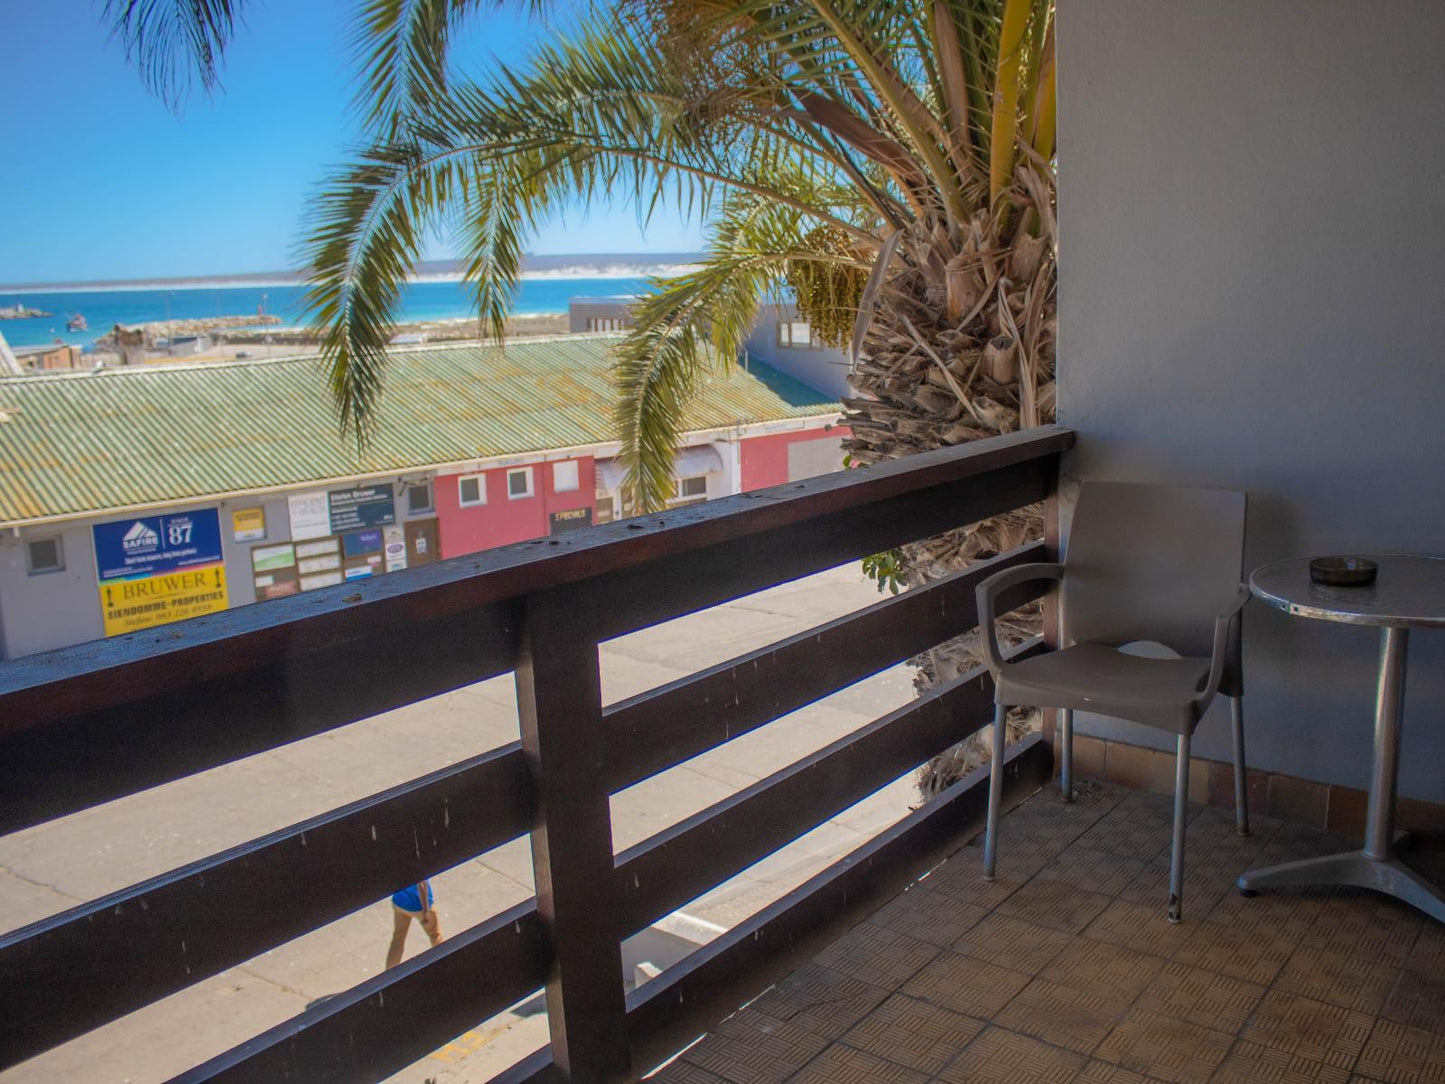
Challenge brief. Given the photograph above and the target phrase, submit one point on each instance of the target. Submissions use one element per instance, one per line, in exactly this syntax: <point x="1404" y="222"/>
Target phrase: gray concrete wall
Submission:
<point x="1251" y="220"/>
<point x="50" y="609"/>
<point x="825" y="370"/>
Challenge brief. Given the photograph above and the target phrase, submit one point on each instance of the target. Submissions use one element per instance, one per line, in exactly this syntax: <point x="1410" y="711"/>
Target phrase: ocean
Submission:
<point x="422" y="301"/>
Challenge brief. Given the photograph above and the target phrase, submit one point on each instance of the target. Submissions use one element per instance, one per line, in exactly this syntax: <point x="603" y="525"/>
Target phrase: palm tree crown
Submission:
<point x="886" y="162"/>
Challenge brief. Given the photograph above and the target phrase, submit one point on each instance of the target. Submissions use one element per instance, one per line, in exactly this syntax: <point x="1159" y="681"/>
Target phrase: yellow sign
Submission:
<point x="248" y="524"/>
<point x="128" y="605"/>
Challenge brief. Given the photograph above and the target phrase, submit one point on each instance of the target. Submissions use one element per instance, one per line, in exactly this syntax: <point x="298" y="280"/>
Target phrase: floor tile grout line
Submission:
<point x="919" y="970"/>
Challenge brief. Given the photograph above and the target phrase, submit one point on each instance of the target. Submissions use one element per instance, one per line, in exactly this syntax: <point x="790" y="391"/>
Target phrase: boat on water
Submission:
<point x="77" y="323"/>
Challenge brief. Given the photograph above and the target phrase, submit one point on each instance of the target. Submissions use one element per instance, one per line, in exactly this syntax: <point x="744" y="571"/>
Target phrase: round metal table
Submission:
<point x="1409" y="592"/>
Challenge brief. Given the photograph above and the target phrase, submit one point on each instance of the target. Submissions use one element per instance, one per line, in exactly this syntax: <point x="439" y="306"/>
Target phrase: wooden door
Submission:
<point x="423" y="543"/>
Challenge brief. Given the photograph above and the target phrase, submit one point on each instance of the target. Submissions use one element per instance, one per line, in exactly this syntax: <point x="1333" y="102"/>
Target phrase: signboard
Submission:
<point x="360" y="507"/>
<point x="395" y="548"/>
<point x="310" y="517"/>
<point x="572" y="519"/>
<point x="129" y="605"/>
<point x="273" y="569"/>
<point x="248" y="524"/>
<point x="130" y="548"/>
<point x="362" y="542"/>
<point x="269" y="558"/>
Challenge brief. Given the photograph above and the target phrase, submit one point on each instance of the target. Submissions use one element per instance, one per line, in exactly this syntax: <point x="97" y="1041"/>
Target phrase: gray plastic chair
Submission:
<point x="1144" y="563"/>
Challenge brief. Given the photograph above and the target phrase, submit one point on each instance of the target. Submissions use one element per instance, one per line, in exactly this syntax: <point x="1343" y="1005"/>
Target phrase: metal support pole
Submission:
<point x="1241" y="783"/>
<point x="1181" y="816"/>
<point x="1066" y="754"/>
<point x="995" y="791"/>
<point x="1389" y="704"/>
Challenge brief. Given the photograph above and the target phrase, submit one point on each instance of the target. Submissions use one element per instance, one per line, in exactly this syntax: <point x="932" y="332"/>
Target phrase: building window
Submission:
<point x="418" y="499"/>
<point x="564" y="476"/>
<point x="606" y="509"/>
<point x="519" y="483"/>
<point x="45" y="555"/>
<point x="472" y="489"/>
<point x="798" y="335"/>
<point x="689" y="490"/>
<point x="608" y="323"/>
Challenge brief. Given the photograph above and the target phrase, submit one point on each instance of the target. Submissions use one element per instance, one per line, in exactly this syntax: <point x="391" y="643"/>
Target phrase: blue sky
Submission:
<point x="101" y="181"/>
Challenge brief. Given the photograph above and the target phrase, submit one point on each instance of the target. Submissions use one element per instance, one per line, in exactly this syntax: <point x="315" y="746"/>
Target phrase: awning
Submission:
<point x="688" y="463"/>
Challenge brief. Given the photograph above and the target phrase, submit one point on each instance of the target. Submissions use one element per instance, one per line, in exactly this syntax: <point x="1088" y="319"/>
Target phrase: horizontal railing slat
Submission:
<point x="390" y="1021"/>
<point x="174" y="930"/>
<point x="75" y="681"/>
<point x="661" y="728"/>
<point x="711" y="983"/>
<point x="660" y="874"/>
<point x="684" y="581"/>
<point x="49" y="771"/>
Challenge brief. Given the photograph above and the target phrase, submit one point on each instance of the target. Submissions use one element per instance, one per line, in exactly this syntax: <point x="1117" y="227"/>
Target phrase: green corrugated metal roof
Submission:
<point x="86" y="442"/>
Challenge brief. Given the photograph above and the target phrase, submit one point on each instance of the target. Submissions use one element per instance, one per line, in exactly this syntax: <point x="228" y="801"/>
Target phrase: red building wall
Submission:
<point x="765" y="458"/>
<point x="504" y="520"/>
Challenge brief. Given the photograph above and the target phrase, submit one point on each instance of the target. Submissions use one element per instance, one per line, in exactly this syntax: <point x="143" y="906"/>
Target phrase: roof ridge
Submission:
<point x="150" y="368"/>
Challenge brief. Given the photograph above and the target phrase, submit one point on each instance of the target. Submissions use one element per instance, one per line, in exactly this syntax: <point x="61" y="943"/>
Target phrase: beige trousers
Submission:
<point x="401" y="923"/>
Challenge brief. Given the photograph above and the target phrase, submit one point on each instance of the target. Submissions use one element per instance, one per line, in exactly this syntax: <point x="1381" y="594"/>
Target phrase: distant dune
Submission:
<point x="606" y="265"/>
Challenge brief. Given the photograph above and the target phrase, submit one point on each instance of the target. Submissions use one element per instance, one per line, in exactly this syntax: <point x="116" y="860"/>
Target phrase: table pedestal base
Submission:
<point x="1375" y="865"/>
<point x="1387" y="875"/>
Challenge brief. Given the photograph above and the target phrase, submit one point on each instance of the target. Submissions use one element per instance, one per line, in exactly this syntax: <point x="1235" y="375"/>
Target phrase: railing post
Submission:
<point x="559" y="703"/>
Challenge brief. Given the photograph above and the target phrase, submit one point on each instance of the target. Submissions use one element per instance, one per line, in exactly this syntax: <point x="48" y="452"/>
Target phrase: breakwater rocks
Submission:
<point x="171" y="329"/>
<point x="467" y="329"/>
<point x="21" y="312"/>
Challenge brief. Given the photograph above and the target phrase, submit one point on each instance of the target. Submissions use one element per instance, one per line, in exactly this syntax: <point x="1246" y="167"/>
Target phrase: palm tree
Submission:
<point x="887" y="162"/>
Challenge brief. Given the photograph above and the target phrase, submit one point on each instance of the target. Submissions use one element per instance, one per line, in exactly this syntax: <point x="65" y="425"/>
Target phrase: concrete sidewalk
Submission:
<point x="67" y="862"/>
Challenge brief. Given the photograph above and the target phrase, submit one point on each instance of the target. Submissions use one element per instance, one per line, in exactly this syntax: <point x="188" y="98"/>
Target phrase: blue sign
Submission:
<point x="361" y="543"/>
<point x="129" y="548"/>
<point x="361" y="507"/>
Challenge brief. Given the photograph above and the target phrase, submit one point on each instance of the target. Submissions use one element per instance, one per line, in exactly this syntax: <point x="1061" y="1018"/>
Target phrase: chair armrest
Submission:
<point x="988" y="593"/>
<point x="1223" y="624"/>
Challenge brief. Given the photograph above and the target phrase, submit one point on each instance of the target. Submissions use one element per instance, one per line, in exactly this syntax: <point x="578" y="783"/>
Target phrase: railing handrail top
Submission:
<point x="301" y="624"/>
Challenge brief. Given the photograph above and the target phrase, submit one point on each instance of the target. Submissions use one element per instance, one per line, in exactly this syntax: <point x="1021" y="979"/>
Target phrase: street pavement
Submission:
<point x="68" y="862"/>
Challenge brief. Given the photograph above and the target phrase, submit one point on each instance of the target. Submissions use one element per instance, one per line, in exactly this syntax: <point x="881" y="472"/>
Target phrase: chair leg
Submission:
<point x="1181" y="815"/>
<point x="1066" y="754"/>
<point x="995" y="791"/>
<point x="1241" y="791"/>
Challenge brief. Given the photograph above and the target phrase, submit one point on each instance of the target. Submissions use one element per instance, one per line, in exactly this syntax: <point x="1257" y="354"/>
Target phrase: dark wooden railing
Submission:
<point x="89" y="724"/>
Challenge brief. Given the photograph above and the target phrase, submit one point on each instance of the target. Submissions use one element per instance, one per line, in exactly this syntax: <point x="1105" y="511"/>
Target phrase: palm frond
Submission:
<point x="695" y="321"/>
<point x="174" y="42"/>
<point x="365" y="238"/>
<point x="402" y="49"/>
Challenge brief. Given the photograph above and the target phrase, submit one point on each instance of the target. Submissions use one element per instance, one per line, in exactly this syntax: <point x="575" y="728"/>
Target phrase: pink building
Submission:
<point x="481" y="509"/>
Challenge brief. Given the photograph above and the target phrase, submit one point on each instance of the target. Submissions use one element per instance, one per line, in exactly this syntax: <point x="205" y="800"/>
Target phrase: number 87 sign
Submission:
<point x="128" y="548"/>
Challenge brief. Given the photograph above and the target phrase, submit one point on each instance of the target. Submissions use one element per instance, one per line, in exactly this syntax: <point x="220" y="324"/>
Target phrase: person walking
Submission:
<point x="412" y="902"/>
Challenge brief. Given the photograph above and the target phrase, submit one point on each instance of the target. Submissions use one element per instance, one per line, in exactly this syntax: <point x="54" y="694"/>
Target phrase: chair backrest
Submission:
<point x="1149" y="562"/>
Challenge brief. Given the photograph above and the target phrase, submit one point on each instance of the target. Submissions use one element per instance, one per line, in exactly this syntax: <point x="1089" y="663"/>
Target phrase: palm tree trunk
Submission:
<point x="960" y="347"/>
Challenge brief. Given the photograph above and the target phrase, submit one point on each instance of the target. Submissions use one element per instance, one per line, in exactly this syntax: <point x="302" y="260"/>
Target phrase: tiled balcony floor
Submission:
<point x="1064" y="969"/>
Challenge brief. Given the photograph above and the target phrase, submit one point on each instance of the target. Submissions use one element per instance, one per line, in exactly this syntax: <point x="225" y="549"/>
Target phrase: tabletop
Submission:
<point x="1408" y="592"/>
